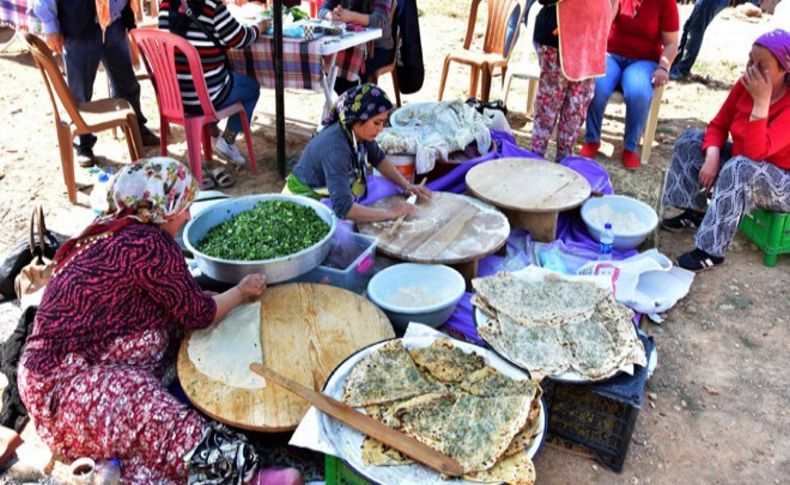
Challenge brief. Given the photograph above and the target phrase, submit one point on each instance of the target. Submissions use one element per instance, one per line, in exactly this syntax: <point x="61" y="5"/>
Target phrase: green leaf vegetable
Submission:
<point x="272" y="229"/>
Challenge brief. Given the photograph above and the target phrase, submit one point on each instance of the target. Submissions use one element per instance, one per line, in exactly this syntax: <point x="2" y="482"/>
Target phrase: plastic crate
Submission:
<point x="600" y="425"/>
<point x="337" y="473"/>
<point x="355" y="276"/>
<point x="770" y="231"/>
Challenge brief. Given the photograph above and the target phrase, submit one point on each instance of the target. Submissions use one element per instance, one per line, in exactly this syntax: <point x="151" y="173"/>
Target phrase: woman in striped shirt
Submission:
<point x="212" y="30"/>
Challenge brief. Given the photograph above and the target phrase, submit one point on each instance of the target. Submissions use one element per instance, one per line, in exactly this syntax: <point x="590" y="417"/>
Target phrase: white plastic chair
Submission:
<point x="527" y="68"/>
<point x="652" y="121"/>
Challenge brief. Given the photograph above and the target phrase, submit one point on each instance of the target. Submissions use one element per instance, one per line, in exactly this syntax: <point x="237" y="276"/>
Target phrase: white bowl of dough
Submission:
<point x="632" y="220"/>
<point x="409" y="292"/>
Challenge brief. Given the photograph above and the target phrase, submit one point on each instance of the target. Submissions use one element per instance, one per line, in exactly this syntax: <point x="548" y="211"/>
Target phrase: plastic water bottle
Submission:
<point x="607" y="239"/>
<point x="99" y="193"/>
<point x="108" y="473"/>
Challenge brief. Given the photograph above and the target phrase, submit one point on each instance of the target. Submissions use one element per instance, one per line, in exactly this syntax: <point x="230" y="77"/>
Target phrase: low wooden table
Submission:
<point x="530" y="192"/>
<point x="306" y="331"/>
<point x="450" y="229"/>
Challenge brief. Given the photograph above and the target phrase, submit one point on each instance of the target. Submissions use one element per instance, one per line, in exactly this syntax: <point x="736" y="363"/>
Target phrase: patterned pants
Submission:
<point x="558" y="98"/>
<point x="121" y="409"/>
<point x="741" y="186"/>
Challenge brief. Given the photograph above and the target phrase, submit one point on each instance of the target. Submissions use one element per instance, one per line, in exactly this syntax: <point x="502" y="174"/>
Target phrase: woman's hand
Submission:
<point x="709" y="171"/>
<point x="252" y="286"/>
<point x="263" y="25"/>
<point x="421" y="191"/>
<point x="340" y="14"/>
<point x="759" y="87"/>
<point x="660" y="77"/>
<point x="402" y="209"/>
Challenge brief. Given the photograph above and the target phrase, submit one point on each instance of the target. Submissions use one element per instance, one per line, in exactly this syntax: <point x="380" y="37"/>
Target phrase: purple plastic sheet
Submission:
<point x="572" y="235"/>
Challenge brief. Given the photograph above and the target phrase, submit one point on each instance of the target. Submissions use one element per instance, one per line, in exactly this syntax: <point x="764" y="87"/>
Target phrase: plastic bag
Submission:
<point x="648" y="282"/>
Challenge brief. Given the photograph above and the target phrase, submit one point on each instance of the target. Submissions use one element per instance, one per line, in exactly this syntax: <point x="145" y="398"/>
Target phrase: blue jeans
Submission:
<point x="693" y="33"/>
<point x="81" y="58"/>
<point x="634" y="77"/>
<point x="244" y="89"/>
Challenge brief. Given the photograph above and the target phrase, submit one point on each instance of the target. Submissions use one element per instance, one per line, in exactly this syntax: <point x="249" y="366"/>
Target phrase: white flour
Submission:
<point x="621" y="221"/>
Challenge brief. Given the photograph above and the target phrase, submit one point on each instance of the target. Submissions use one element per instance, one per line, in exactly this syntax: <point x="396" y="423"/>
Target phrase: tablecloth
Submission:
<point x="302" y="62"/>
<point x="19" y="14"/>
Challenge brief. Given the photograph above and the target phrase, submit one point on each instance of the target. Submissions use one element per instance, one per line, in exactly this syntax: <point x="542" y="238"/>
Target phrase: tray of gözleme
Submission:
<point x="455" y="397"/>
<point x="568" y="328"/>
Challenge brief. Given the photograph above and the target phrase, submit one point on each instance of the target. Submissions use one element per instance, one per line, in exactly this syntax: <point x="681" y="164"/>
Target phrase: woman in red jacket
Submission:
<point x="751" y="171"/>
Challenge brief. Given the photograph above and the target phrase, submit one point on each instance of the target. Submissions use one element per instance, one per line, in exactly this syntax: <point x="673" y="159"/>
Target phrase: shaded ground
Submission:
<point x="717" y="408"/>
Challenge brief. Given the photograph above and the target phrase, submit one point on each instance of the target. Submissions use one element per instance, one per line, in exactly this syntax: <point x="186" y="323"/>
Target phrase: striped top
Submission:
<point x="227" y="30"/>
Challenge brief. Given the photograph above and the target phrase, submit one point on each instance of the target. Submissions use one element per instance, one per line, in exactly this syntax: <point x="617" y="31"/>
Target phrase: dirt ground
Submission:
<point x="716" y="411"/>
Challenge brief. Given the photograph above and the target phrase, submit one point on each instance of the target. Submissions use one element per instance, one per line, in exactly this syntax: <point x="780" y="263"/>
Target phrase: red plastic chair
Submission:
<point x="159" y="51"/>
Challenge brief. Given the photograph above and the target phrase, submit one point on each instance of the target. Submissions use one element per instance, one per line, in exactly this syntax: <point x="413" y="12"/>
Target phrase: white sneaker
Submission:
<point x="228" y="151"/>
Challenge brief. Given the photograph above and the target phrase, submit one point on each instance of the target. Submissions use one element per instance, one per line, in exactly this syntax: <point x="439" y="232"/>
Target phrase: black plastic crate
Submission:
<point x="601" y="425"/>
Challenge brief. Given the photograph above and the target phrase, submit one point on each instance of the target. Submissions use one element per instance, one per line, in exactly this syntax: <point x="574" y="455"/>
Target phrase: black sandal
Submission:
<point x="688" y="219"/>
<point x="698" y="260"/>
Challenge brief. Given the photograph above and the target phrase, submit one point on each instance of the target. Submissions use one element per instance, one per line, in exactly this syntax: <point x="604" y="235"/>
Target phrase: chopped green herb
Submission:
<point x="272" y="229"/>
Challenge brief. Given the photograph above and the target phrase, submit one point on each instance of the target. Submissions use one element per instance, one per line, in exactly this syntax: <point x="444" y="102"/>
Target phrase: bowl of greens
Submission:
<point x="281" y="236"/>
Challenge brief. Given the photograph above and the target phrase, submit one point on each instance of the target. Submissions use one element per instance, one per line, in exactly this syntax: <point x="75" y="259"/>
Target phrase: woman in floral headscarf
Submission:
<point x="334" y="162"/>
<point x="109" y="323"/>
<point x="751" y="171"/>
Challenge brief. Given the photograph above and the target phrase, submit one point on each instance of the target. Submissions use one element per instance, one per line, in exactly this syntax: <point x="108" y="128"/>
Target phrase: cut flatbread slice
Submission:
<point x="592" y="347"/>
<point x="523" y="440"/>
<point x="514" y="470"/>
<point x="547" y="302"/>
<point x="446" y="362"/>
<point x="422" y="417"/>
<point x="375" y="452"/>
<point x="385" y="375"/>
<point x="540" y="350"/>
<point x="480" y="429"/>
<point x="488" y="382"/>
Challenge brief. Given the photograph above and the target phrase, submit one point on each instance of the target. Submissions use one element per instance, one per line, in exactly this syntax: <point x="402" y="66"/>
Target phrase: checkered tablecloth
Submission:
<point x="302" y="63"/>
<point x="19" y="14"/>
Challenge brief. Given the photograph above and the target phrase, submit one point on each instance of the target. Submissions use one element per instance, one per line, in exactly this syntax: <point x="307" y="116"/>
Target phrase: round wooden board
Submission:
<point x="306" y="331"/>
<point x="523" y="184"/>
<point x="448" y="229"/>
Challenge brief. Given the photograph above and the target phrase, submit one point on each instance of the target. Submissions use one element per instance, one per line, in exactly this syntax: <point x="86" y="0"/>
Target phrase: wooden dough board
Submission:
<point x="306" y="331"/>
<point x="531" y="192"/>
<point x="448" y="229"/>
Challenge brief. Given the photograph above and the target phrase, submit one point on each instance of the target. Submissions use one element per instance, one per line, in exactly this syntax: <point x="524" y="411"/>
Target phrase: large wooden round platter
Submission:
<point x="448" y="229"/>
<point x="532" y="193"/>
<point x="306" y="330"/>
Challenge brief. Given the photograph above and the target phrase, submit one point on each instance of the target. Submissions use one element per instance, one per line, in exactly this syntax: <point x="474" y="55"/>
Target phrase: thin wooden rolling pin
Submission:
<point x="365" y="424"/>
<point x="411" y="200"/>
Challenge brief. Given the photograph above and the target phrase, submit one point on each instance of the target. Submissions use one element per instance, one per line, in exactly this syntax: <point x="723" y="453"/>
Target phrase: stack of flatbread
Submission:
<point x="453" y="402"/>
<point x="554" y="326"/>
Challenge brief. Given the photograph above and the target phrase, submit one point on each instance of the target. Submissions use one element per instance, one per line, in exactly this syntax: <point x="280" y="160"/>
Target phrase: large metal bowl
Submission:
<point x="277" y="269"/>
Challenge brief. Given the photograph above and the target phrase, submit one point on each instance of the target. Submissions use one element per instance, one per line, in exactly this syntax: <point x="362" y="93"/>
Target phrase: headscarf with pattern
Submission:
<point x="148" y="191"/>
<point x="778" y="42"/>
<point x="358" y="105"/>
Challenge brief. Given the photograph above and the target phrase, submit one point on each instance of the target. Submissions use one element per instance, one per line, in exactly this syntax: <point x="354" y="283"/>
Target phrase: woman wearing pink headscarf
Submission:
<point x="752" y="170"/>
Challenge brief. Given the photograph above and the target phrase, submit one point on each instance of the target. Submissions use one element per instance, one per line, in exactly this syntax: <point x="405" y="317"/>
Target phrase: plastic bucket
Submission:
<point x="404" y="163"/>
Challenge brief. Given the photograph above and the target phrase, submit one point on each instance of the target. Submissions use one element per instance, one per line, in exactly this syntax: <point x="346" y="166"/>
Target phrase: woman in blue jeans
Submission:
<point x="643" y="42"/>
<point x="208" y="26"/>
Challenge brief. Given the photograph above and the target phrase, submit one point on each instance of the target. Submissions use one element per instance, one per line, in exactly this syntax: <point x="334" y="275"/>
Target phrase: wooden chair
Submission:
<point x="527" y="67"/>
<point x="391" y="68"/>
<point x="493" y="55"/>
<point x="85" y="118"/>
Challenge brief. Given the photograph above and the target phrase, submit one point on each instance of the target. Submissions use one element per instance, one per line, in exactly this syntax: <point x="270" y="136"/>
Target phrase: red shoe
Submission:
<point x="590" y="150"/>
<point x="630" y="160"/>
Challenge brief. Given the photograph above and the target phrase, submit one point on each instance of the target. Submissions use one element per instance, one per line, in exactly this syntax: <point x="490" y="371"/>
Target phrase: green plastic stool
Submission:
<point x="770" y="231"/>
<point x="337" y="473"/>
